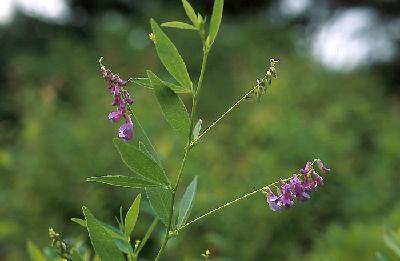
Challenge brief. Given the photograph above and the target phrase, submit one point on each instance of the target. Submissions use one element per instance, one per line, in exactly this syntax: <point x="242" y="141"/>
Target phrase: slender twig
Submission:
<point x="186" y="152"/>
<point x="219" y="208"/>
<point x="244" y="97"/>
<point x="230" y="203"/>
<point x="166" y="237"/>
<point x="146" y="236"/>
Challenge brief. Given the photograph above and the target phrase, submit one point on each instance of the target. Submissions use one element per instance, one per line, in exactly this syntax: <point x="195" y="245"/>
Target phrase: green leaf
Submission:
<point x="34" y="253"/>
<point x="173" y="108"/>
<point x="118" y="237"/>
<point x="179" y="25"/>
<point x="196" y="129"/>
<point x="145" y="82"/>
<point x="381" y="257"/>
<point x="147" y="235"/>
<point x="190" y="12"/>
<point x="187" y="202"/>
<point x="170" y="57"/>
<point x="124" y="181"/>
<point x="140" y="163"/>
<point x="144" y="149"/>
<point x="79" y="221"/>
<point x="160" y="200"/>
<point x="76" y="256"/>
<point x="177" y="88"/>
<point x="132" y="215"/>
<point x="215" y="20"/>
<point x="103" y="243"/>
<point x="142" y="136"/>
<point x="392" y="242"/>
<point x="123" y="245"/>
<point x="200" y="19"/>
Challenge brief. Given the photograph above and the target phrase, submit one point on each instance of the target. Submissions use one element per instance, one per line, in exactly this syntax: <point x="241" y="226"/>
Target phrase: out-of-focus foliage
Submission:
<point x="56" y="133"/>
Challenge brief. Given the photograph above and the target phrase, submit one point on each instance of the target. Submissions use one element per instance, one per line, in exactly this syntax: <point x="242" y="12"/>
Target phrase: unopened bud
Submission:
<point x="273" y="71"/>
<point x="152" y="37"/>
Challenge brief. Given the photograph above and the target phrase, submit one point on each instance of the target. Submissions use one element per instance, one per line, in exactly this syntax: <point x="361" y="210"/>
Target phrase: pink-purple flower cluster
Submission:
<point x="121" y="98"/>
<point x="300" y="186"/>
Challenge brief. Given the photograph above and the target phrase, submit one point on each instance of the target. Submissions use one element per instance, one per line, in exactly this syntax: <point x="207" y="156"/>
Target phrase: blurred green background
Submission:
<point x="337" y="98"/>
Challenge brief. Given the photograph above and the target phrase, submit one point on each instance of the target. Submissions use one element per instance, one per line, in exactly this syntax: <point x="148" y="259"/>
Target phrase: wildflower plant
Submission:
<point x="140" y="156"/>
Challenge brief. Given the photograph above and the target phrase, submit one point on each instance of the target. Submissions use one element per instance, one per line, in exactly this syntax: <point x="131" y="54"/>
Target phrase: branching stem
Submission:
<point x="229" y="204"/>
<point x="244" y="97"/>
<point x="186" y="152"/>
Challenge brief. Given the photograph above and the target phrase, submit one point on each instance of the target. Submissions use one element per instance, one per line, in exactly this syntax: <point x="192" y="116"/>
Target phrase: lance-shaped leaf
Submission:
<point x="124" y="181"/>
<point x="34" y="253"/>
<point x="140" y="163"/>
<point x="142" y="136"/>
<point x="102" y="242"/>
<point x="145" y="82"/>
<point x="147" y="235"/>
<point x="172" y="106"/>
<point x="79" y="221"/>
<point x="196" y="130"/>
<point x="190" y="12"/>
<point x="179" y="25"/>
<point x="161" y="201"/>
<point x="118" y="236"/>
<point x="187" y="202"/>
<point x="132" y="215"/>
<point x="144" y="149"/>
<point x="170" y="57"/>
<point x="113" y="231"/>
<point x="76" y="256"/>
<point x="392" y="242"/>
<point x="381" y="257"/>
<point x="215" y="20"/>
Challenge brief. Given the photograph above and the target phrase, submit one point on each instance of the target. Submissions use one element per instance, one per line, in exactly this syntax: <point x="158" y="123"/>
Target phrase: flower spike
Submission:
<point x="300" y="186"/>
<point x="121" y="97"/>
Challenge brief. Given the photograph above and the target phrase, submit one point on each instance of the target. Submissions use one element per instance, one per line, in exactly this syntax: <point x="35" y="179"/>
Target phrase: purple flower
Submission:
<point x="307" y="168"/>
<point x="317" y="179"/>
<point x="324" y="169"/>
<point x="115" y="90"/>
<point x="104" y="71"/>
<point x="120" y="98"/>
<point x="126" y="130"/>
<point x="121" y="82"/>
<point x="121" y="104"/>
<point x="287" y="195"/>
<point x="298" y="189"/>
<point x="114" y="116"/>
<point x="128" y="98"/>
<point x="308" y="183"/>
<point x="115" y="101"/>
<point x="273" y="200"/>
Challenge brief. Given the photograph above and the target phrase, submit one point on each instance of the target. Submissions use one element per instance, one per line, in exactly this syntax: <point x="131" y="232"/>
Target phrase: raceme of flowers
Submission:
<point x="264" y="82"/>
<point x="299" y="187"/>
<point x="121" y="97"/>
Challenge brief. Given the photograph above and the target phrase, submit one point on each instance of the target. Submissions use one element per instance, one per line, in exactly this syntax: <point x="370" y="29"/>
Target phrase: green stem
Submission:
<point x="230" y="203"/>
<point x="223" y="115"/>
<point x="186" y="151"/>
<point x="171" y="212"/>
<point x="219" y="208"/>
<point x="203" y="69"/>
<point x="146" y="236"/>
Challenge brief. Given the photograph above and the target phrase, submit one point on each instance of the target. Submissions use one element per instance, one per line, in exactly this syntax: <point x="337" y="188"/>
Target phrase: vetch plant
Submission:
<point x="140" y="156"/>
